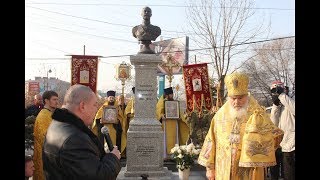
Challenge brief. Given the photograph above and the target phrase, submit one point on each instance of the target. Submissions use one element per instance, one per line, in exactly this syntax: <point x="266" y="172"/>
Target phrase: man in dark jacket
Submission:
<point x="71" y="151"/>
<point x="35" y="108"/>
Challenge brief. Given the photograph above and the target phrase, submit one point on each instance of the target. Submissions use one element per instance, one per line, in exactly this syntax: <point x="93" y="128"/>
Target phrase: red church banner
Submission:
<point x="84" y="71"/>
<point x="34" y="87"/>
<point x="197" y="87"/>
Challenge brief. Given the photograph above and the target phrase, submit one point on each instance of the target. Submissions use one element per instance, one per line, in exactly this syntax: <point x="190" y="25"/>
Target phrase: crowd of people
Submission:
<point x="243" y="140"/>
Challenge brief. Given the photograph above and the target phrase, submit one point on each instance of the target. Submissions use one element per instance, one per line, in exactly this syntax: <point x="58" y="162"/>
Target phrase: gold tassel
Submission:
<point x="194" y="103"/>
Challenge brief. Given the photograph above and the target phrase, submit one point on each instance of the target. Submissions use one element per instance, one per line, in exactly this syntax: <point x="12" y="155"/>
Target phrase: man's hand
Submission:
<point x="102" y="121"/>
<point x="116" y="152"/>
<point x="210" y="174"/>
<point x="208" y="150"/>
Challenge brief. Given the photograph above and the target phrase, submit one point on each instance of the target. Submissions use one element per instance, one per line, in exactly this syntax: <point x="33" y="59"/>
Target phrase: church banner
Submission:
<point x="197" y="87"/>
<point x="84" y="71"/>
<point x="33" y="87"/>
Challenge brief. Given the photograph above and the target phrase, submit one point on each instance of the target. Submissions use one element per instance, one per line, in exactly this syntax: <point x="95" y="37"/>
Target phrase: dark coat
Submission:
<point x="71" y="151"/>
<point x="33" y="110"/>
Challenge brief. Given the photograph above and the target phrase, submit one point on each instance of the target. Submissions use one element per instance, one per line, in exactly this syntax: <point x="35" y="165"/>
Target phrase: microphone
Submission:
<point x="105" y="132"/>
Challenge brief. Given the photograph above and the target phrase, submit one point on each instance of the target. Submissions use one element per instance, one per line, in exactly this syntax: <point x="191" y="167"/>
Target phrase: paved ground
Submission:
<point x="194" y="175"/>
<point x="197" y="172"/>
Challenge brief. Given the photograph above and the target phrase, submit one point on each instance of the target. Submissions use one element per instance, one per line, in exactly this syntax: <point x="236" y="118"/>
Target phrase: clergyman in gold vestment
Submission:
<point x="129" y="111"/>
<point x="41" y="125"/>
<point x="170" y="126"/>
<point x="242" y="139"/>
<point x="117" y="132"/>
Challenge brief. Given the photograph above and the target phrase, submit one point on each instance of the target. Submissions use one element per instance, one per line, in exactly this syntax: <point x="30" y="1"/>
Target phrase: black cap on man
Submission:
<point x="168" y="93"/>
<point x="111" y="97"/>
<point x="111" y="93"/>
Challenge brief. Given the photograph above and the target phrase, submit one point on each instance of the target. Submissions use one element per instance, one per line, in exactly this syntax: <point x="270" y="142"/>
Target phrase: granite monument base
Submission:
<point x="144" y="151"/>
<point x="145" y="134"/>
<point x="151" y="175"/>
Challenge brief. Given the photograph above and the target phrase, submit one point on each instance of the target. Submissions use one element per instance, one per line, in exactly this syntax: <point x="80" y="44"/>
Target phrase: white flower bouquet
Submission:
<point x="185" y="155"/>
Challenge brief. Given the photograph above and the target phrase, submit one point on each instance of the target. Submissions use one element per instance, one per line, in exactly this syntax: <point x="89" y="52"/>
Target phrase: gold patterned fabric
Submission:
<point x="225" y="149"/>
<point x="237" y="83"/>
<point x="41" y="125"/>
<point x="130" y="110"/>
<point x="258" y="147"/>
<point x="124" y="124"/>
<point x="170" y="127"/>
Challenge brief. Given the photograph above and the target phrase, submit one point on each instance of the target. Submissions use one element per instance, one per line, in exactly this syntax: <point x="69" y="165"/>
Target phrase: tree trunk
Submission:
<point x="220" y="92"/>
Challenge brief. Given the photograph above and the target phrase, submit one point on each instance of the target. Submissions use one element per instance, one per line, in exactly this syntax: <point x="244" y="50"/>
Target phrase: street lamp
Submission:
<point x="48" y="78"/>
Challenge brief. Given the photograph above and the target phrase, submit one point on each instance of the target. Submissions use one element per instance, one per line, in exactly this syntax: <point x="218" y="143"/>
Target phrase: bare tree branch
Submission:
<point x="273" y="61"/>
<point x="220" y="24"/>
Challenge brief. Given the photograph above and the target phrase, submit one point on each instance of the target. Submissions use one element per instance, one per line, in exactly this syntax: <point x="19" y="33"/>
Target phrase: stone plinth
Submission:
<point x="145" y="135"/>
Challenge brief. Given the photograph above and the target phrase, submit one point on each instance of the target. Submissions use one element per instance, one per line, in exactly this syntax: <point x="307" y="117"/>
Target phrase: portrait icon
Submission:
<point x="123" y="73"/>
<point x="172" y="110"/>
<point x="109" y="115"/>
<point x="196" y="83"/>
<point x="84" y="76"/>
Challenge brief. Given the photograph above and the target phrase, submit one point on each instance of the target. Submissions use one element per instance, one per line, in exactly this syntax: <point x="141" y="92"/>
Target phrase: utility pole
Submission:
<point x="195" y="59"/>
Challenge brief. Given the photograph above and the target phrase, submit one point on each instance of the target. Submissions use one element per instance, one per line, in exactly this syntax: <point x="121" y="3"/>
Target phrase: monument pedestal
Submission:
<point x="145" y="135"/>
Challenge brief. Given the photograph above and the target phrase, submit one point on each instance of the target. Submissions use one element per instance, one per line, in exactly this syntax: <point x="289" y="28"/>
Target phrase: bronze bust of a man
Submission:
<point x="146" y="32"/>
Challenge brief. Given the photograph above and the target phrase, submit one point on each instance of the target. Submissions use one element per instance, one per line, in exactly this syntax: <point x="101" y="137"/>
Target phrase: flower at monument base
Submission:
<point x="185" y="155"/>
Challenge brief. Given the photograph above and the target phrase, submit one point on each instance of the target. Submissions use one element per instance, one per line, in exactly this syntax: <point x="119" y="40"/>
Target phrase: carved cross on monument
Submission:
<point x="168" y="67"/>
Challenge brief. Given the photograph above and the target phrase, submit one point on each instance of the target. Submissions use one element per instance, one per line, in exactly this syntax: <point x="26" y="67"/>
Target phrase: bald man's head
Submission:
<point x="82" y="101"/>
<point x="38" y="99"/>
<point x="76" y="94"/>
<point x="37" y="96"/>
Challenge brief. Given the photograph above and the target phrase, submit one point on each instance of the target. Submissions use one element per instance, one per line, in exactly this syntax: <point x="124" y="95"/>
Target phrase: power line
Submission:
<point x="87" y="34"/>
<point x="122" y="32"/>
<point x="199" y="53"/>
<point x="69" y="24"/>
<point x="106" y="22"/>
<point x="49" y="46"/>
<point x="238" y="44"/>
<point x="52" y="58"/>
<point x="109" y="37"/>
<point x="79" y="17"/>
<point x="155" y="5"/>
<point x="47" y="18"/>
<point x="41" y="59"/>
<point x="117" y="31"/>
<point x="200" y="49"/>
<point x="89" y="19"/>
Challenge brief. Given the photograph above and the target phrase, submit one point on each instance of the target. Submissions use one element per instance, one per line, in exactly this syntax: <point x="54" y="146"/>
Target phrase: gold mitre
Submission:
<point x="237" y="83"/>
